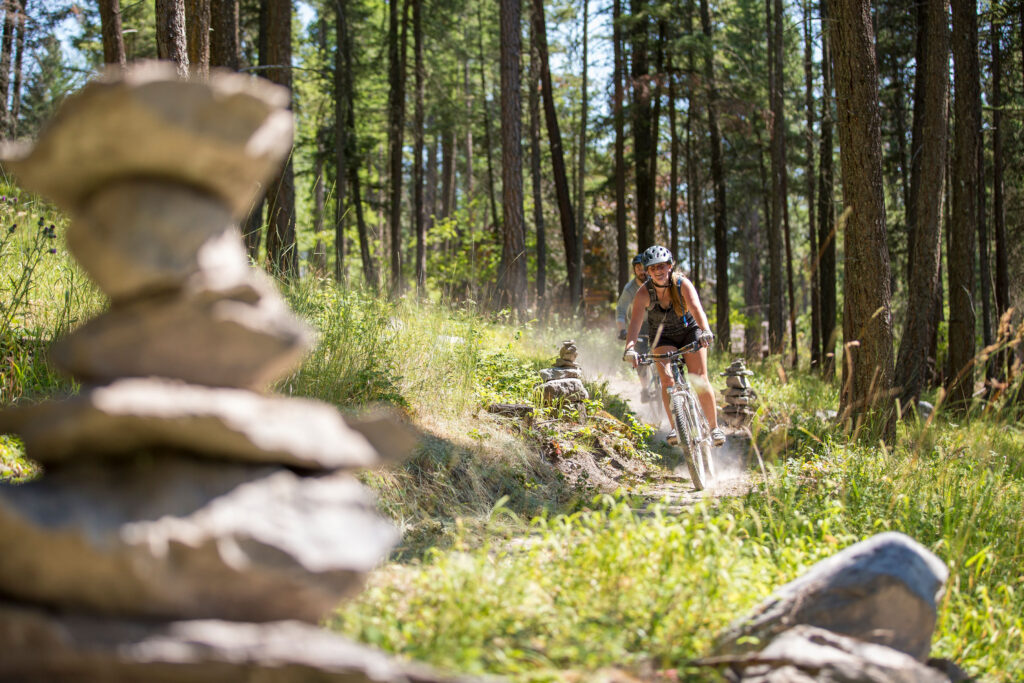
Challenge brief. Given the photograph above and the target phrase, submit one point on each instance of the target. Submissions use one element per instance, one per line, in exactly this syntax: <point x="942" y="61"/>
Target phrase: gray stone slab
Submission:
<point x="136" y="415"/>
<point x="806" y="654"/>
<point x="139" y="237"/>
<point x="568" y="389"/>
<point x="550" y="374"/>
<point x="227" y="136"/>
<point x="173" y="538"/>
<point x="883" y="590"/>
<point x="42" y="646"/>
<point x="246" y="337"/>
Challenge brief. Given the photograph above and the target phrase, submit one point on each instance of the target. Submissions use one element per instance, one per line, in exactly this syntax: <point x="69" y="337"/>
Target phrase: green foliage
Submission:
<point x="607" y="587"/>
<point x="502" y="377"/>
<point x="41" y="295"/>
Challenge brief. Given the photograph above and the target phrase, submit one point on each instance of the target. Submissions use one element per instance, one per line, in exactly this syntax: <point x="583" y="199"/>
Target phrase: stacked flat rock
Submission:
<point x="186" y="523"/>
<point x="564" y="381"/>
<point x="739" y="396"/>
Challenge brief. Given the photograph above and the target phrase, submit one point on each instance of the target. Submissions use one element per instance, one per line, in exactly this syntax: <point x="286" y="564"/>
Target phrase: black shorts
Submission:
<point x="684" y="338"/>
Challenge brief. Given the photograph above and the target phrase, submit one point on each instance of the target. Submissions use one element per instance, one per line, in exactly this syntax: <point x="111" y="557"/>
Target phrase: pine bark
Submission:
<point x="110" y="27"/>
<point x="512" y="275"/>
<point x="867" y="319"/>
<point x="533" y="88"/>
<point x="197" y="29"/>
<point x="812" y="227"/>
<point x="396" y="128"/>
<point x="826" y="207"/>
<point x="281" y="248"/>
<point x="417" y="162"/>
<point x="928" y="154"/>
<point x="643" y="145"/>
<point x="581" y="166"/>
<point x="224" y="34"/>
<point x="965" y="191"/>
<point x="488" y="137"/>
<point x="171" y="44"/>
<point x="722" y="331"/>
<point x="1002" y="289"/>
<point x="776" y="331"/>
<point x="618" y="74"/>
<point x="557" y="159"/>
<point x="6" y="51"/>
<point x="342" y="143"/>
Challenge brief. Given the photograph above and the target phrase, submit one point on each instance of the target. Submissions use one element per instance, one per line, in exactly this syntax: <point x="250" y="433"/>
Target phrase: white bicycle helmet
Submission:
<point x="655" y="255"/>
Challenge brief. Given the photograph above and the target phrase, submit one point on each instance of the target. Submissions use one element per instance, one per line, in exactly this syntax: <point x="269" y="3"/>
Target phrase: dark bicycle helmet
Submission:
<point x="639" y="258"/>
<point x="655" y="255"/>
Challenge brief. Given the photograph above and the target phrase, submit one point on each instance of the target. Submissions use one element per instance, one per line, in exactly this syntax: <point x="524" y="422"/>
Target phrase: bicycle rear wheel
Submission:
<point x="686" y="429"/>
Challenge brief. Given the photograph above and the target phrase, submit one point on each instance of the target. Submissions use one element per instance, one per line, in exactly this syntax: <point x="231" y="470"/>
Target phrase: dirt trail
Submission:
<point x="670" y="485"/>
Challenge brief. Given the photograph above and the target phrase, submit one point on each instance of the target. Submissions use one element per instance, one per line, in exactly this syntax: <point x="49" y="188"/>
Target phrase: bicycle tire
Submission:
<point x="703" y="433"/>
<point x="685" y="430"/>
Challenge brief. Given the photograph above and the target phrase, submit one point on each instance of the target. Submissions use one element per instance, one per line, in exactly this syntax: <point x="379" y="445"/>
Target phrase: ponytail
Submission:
<point x="675" y="293"/>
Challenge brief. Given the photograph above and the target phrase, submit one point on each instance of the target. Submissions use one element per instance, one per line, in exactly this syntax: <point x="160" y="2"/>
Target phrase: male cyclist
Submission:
<point x="623" y="314"/>
<point x="676" y="318"/>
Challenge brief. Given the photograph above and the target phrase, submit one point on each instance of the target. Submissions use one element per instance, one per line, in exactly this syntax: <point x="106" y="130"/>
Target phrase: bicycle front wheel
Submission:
<point x="687" y="431"/>
<point x="702" y="435"/>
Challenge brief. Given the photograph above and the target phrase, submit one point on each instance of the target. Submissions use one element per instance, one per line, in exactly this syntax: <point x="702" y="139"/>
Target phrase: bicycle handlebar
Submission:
<point x="648" y="358"/>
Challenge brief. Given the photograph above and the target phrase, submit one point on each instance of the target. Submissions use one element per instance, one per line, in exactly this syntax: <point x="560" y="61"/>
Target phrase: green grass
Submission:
<point x="606" y="587"/>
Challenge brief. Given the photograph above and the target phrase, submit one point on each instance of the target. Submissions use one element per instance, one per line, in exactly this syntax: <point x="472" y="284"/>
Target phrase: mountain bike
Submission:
<point x="689" y="421"/>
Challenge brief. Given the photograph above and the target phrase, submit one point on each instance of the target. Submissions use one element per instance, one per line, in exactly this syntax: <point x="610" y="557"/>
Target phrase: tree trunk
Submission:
<point x="826" y="208"/>
<point x="512" y="274"/>
<point x="170" y="34"/>
<point x="581" y="169"/>
<point x="224" y="35"/>
<point x="722" y="331"/>
<point x="113" y="39"/>
<point x="673" y="163"/>
<point x="776" y="332"/>
<point x="751" y="263"/>
<point x="643" y="146"/>
<point x="197" y="25"/>
<point x="533" y="88"/>
<point x="812" y="227"/>
<point x="19" y="57"/>
<point x="469" y="136"/>
<point x="281" y="247"/>
<point x="343" y="144"/>
<point x="557" y="159"/>
<point x="695" y="199"/>
<point x="417" y="155"/>
<point x="448" y="173"/>
<point x="624" y="269"/>
<point x="488" y="138"/>
<point x="928" y="154"/>
<point x="369" y="265"/>
<point x="6" y="50"/>
<point x="963" y="228"/>
<point x="867" y="323"/>
<point x="396" y="128"/>
<point x="1002" y="292"/>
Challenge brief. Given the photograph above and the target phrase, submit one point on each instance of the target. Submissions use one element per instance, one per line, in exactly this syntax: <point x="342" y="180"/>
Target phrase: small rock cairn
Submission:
<point x="187" y="526"/>
<point x="564" y="381"/>
<point x="739" y="396"/>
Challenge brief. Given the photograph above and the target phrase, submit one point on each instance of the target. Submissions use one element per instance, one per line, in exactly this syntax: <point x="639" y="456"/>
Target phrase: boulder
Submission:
<point x="550" y="374"/>
<point x="142" y="237"/>
<point x="806" y="654"/>
<point x="570" y="390"/>
<point x="882" y="590"/>
<point x="43" y="646"/>
<point x="174" y="538"/>
<point x="227" y="134"/>
<point x="737" y="382"/>
<point x="151" y="414"/>
<point x="246" y="337"/>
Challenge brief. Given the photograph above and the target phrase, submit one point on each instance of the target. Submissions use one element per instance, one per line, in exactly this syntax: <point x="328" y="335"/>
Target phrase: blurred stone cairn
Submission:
<point x="739" y="396"/>
<point x="187" y="526"/>
<point x="563" y="383"/>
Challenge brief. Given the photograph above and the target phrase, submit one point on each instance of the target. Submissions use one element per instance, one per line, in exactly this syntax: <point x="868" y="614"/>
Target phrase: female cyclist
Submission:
<point x="669" y="303"/>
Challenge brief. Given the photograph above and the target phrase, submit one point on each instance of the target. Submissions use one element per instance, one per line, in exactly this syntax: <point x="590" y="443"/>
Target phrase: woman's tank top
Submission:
<point x="674" y="324"/>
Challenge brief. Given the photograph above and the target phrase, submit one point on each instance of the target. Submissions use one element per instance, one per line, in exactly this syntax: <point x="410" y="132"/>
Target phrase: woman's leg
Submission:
<point x="697" y="365"/>
<point x="665" y="374"/>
